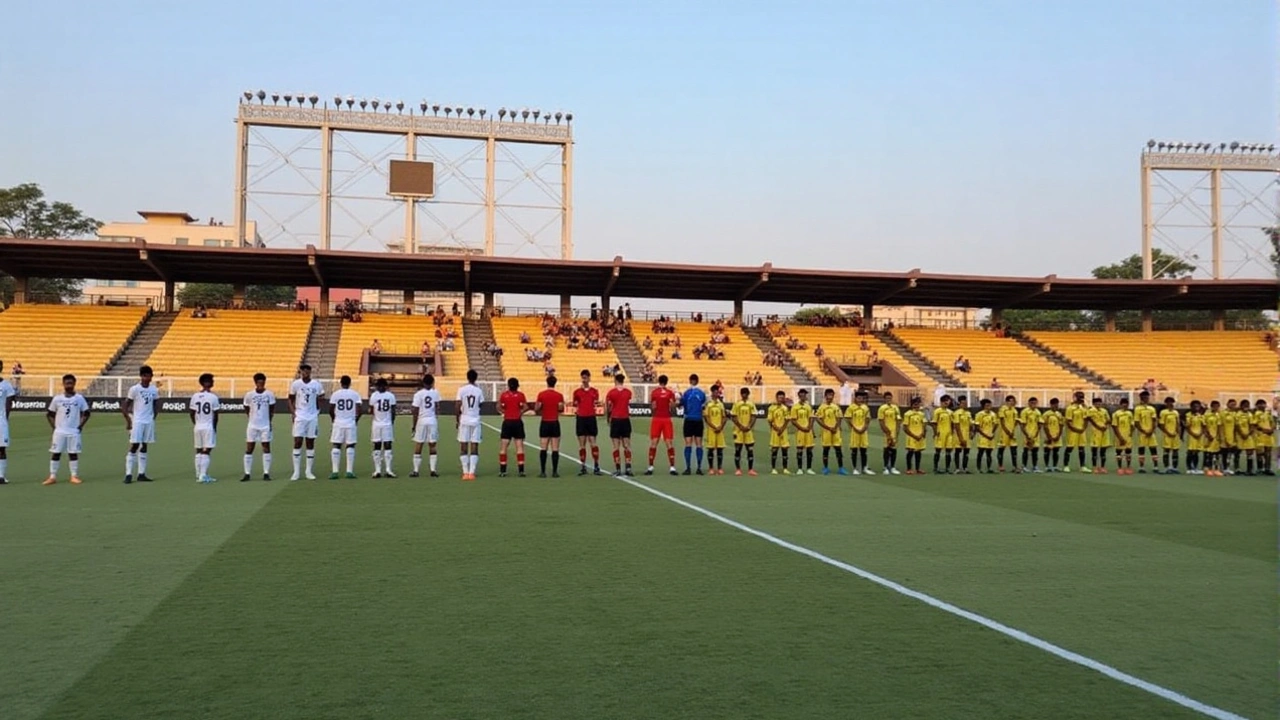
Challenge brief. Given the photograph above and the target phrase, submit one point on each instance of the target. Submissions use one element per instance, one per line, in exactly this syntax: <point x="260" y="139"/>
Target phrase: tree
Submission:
<point x="809" y="315"/>
<point x="1163" y="265"/>
<point x="219" y="295"/>
<point x="1021" y="319"/>
<point x="1273" y="233"/>
<point x="24" y="212"/>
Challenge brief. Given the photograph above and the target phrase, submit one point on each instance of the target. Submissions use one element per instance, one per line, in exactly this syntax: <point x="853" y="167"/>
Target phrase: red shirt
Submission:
<point x="584" y="401"/>
<point x="662" y="398"/>
<point x="513" y="404"/>
<point x="620" y="400"/>
<point x="550" y="400"/>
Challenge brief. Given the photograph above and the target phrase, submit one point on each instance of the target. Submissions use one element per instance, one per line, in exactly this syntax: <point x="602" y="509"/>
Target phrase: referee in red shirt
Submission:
<point x="549" y="405"/>
<point x="586" y="400"/>
<point x="513" y="404"/>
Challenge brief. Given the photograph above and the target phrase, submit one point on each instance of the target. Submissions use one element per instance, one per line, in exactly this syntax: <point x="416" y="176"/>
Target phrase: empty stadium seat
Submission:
<point x="1014" y="364"/>
<point x="1197" y="364"/>
<point x="58" y="339"/>
<point x="741" y="356"/>
<point x="568" y="363"/>
<point x="233" y="345"/>
<point x="400" y="335"/>
<point x="845" y="345"/>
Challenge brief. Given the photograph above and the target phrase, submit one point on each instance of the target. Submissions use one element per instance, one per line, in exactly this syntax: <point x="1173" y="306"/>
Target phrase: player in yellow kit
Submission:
<point x="889" y="416"/>
<point x="1029" y="421"/>
<point x="1245" y="441"/>
<point x="714" y="415"/>
<point x="1194" y="425"/>
<point x="1099" y="435"/>
<point x="915" y="427"/>
<point x="1230" y="450"/>
<point x="1171" y="431"/>
<point x="1122" y="427"/>
<point x="942" y="426"/>
<point x="802" y="421"/>
<point x="1007" y="437"/>
<point x="985" y="424"/>
<point x="1264" y="436"/>
<point x="1076" y="416"/>
<point x="744" y="436"/>
<point x="1213" y="440"/>
<point x="961" y="433"/>
<point x="829" y="418"/>
<point x="1144" y="419"/>
<point x="1054" y="423"/>
<point x="859" y="417"/>
<point x="778" y="416"/>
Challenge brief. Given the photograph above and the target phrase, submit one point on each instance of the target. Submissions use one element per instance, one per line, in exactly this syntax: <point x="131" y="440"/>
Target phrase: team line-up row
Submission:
<point x="1218" y="440"/>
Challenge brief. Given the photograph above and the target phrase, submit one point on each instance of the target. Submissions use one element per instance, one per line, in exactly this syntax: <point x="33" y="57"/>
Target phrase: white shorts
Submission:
<point x="343" y="435"/>
<point x="382" y="433"/>
<point x="206" y="438"/>
<point x="65" y="443"/>
<point x="257" y="434"/>
<point x="429" y="432"/>
<point x="469" y="433"/>
<point x="142" y="432"/>
<point x="306" y="429"/>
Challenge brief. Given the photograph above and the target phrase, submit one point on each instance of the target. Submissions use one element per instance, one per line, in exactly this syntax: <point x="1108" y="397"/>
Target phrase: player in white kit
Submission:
<point x="304" y="406"/>
<point x="383" y="406"/>
<point x="344" y="410"/>
<point x="260" y="407"/>
<point x="6" y="406"/>
<point x="67" y="415"/>
<point x="204" y="417"/>
<point x="139" y="408"/>
<point x="470" y="399"/>
<point x="426" y="424"/>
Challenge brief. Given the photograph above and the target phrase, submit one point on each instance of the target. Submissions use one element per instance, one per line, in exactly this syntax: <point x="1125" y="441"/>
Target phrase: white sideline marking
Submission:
<point x="1016" y="634"/>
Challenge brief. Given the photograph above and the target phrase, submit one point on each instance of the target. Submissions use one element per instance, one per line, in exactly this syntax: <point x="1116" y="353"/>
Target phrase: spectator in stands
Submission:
<point x="425" y="350"/>
<point x="17" y="369"/>
<point x="449" y="345"/>
<point x="375" y="348"/>
<point x="648" y="343"/>
<point x="659" y="357"/>
<point x="676" y="355"/>
<point x="200" y="312"/>
<point x="995" y="384"/>
<point x="524" y="338"/>
<point x="874" y="358"/>
<point x="548" y="368"/>
<point x="627" y="316"/>
<point x="863" y="346"/>
<point x="457" y="312"/>
<point x="758" y="379"/>
<point x="961" y="364"/>
<point x="818" y="352"/>
<point x="847" y="390"/>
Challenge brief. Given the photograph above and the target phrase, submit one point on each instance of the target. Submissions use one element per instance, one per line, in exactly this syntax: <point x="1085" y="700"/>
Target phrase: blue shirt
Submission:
<point x="692" y="400"/>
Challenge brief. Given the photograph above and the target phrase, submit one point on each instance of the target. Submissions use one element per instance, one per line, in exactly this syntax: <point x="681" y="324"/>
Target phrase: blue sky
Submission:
<point x="977" y="137"/>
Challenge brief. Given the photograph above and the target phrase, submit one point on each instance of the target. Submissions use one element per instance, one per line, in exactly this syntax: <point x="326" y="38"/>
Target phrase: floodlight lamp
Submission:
<point x="337" y="101"/>
<point x="1235" y="145"/>
<point x="350" y="101"/>
<point x="482" y="112"/>
<point x="423" y="107"/>
<point x="1160" y="146"/>
<point x="313" y="99"/>
<point x="248" y="95"/>
<point x="1150" y="143"/>
<point x="374" y="102"/>
<point x="447" y="110"/>
<point x="524" y="114"/>
<point x="386" y="105"/>
<point x="1271" y="148"/>
<point x="363" y="103"/>
<point x="1222" y="146"/>
<point x="568" y="117"/>
<point x="471" y="112"/>
<point x="536" y="113"/>
<point x="435" y="109"/>
<point x="288" y="98"/>
<point x="262" y="96"/>
<point x="502" y="113"/>
<point x="275" y="98"/>
<point x="399" y="106"/>
<point x="559" y="117"/>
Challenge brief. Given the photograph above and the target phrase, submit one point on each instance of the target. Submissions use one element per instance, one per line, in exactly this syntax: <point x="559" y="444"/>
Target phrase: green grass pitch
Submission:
<point x="590" y="598"/>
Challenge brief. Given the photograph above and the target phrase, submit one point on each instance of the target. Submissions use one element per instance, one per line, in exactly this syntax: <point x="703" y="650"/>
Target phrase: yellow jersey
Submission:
<point x="1195" y="432"/>
<point x="1213" y="431"/>
<point x="830" y="414"/>
<point x="778" y="416"/>
<point x="1170" y="421"/>
<point x="1263" y="420"/>
<point x="1030" y="419"/>
<point x="961" y="427"/>
<point x="986" y="421"/>
<point x="1122" y="423"/>
<point x="1008" y="416"/>
<point x="942" y="425"/>
<point x="914" y="422"/>
<point x="713" y="413"/>
<point x="1099" y="427"/>
<point x="1144" y="418"/>
<point x="744" y="415"/>
<point x="890" y="415"/>
<point x="1244" y="430"/>
<point x="802" y="415"/>
<point x="1075" y="415"/>
<point x="1053" y="424"/>
<point x="860" y="422"/>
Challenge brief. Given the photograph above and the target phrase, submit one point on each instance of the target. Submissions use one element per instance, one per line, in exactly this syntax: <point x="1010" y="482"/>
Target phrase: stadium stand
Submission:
<point x="233" y="345"/>
<point x="741" y="356"/>
<point x="567" y="362"/>
<point x="400" y="335"/>
<point x="1002" y="358"/>
<point x="58" y="339"/>
<point x="1197" y="364"/>
<point x="844" y="345"/>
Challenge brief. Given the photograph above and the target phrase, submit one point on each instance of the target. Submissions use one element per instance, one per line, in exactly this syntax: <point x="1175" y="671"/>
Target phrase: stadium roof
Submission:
<point x="617" y="278"/>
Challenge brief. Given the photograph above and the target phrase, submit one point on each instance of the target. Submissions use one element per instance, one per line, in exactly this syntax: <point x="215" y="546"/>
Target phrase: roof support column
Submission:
<point x="997" y="316"/>
<point x="408" y="301"/>
<point x="466" y="304"/>
<point x="19" y="290"/>
<point x="488" y="303"/>
<point x="868" y="315"/>
<point x="237" y="295"/>
<point x="1147" y="323"/>
<point x="1219" y="320"/>
<point x="323" y="309"/>
<point x="1109" y="317"/>
<point x="566" y="306"/>
<point x="737" y="311"/>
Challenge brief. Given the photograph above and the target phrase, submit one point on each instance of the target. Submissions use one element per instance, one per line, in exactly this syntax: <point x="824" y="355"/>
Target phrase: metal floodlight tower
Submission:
<point x="415" y="133"/>
<point x="1183" y="185"/>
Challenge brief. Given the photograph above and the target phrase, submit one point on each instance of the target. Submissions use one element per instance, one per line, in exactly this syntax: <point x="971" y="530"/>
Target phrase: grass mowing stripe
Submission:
<point x="1014" y="633"/>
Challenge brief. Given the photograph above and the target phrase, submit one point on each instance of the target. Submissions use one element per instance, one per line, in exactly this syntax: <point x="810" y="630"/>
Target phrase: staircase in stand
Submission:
<point x="135" y="354"/>
<point x="762" y="341"/>
<point x="1066" y="363"/>
<point x="630" y="356"/>
<point x="923" y="364"/>
<point x="321" y="352"/>
<point x="477" y="333"/>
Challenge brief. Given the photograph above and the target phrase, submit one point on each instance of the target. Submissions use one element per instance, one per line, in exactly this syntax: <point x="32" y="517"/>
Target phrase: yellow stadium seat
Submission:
<point x="233" y="345"/>
<point x="59" y="339"/>
<point x="568" y="363"/>
<point x="992" y="357"/>
<point x="401" y="335"/>
<point x="844" y="345"/>
<point x="741" y="356"/>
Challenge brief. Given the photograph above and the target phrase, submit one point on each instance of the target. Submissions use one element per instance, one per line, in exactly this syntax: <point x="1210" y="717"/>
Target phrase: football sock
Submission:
<point x="852" y="461"/>
<point x="1035" y="457"/>
<point x="808" y="458"/>
<point x="688" y="457"/>
<point x="671" y="456"/>
<point x="555" y="462"/>
<point x="595" y="455"/>
<point x="582" y="455"/>
<point x="335" y="459"/>
<point x="1000" y="456"/>
<point x="964" y="455"/>
<point x="128" y="463"/>
<point x="502" y="462"/>
<point x="431" y="460"/>
<point x="617" y="459"/>
<point x="520" y="461"/>
<point x="1080" y="456"/>
<point x="937" y="455"/>
<point x="542" y="461"/>
<point x="297" y="462"/>
<point x="737" y="457"/>
<point x="826" y="458"/>
<point x="417" y="462"/>
<point x="266" y="463"/>
<point x="751" y="457"/>
<point x="698" y="454"/>
<point x="653" y="453"/>
<point x="248" y="463"/>
<point x="311" y="460"/>
<point x="773" y="458"/>
<point x="464" y="460"/>
<point x="886" y="457"/>
<point x="377" y="461"/>
<point x="53" y="467"/>
<point x="4" y="467"/>
<point x="475" y="464"/>
<point x="142" y="463"/>
<point x="351" y="458"/>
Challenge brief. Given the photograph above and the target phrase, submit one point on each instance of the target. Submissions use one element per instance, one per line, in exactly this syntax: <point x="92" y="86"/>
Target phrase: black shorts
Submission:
<point x="512" y="430"/>
<point x="619" y="429"/>
<point x="693" y="428"/>
<point x="549" y="429"/>
<point x="587" y="427"/>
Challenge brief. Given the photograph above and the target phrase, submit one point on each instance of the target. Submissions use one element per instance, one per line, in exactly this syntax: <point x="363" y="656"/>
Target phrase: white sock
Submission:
<point x="266" y="463"/>
<point x="53" y="467"/>
<point x="377" y="462"/>
<point x="335" y="458"/>
<point x="75" y="467"/>
<point x="475" y="463"/>
<point x="128" y="463"/>
<point x="199" y="469"/>
<point x="4" y="466"/>
<point x="248" y="463"/>
<point x="417" y="462"/>
<point x="386" y="460"/>
<point x="432" y="460"/>
<point x="297" y="462"/>
<point x="311" y="461"/>
<point x="142" y="463"/>
<point x="351" y="458"/>
<point x="465" y="460"/>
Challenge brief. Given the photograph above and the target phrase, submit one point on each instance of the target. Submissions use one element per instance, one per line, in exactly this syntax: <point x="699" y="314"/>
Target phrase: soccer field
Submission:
<point x="593" y="598"/>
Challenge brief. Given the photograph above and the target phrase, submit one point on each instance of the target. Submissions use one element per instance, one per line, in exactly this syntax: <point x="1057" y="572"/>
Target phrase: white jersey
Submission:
<point x="259" y="405"/>
<point x="346" y="402"/>
<point x="144" y="402"/>
<point x="428" y="404"/>
<point x="68" y="411"/>
<point x="470" y="397"/>
<point x="6" y="392"/>
<point x="205" y="406"/>
<point x="384" y="407"/>
<point x="306" y="398"/>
